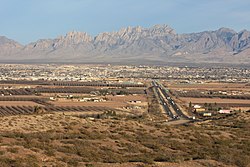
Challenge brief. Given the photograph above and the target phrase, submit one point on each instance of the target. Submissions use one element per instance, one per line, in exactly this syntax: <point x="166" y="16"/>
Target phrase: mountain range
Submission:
<point x="159" y="44"/>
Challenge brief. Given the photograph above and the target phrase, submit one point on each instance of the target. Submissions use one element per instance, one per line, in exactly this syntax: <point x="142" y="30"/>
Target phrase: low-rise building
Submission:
<point x="207" y="114"/>
<point x="200" y="110"/>
<point x="224" y="111"/>
<point x="135" y="101"/>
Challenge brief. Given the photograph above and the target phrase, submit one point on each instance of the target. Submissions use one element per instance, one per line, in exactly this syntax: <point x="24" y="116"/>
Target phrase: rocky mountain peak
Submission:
<point x="226" y="33"/>
<point x="77" y="37"/>
<point x="158" y="43"/>
<point x="4" y="40"/>
<point x="226" y="30"/>
<point x="8" y="42"/>
<point x="162" y="30"/>
<point x="130" y="34"/>
<point x="244" y="35"/>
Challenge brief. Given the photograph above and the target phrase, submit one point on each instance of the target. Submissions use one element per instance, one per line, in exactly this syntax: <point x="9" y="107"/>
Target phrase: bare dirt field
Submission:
<point x="214" y="100"/>
<point x="210" y="86"/>
<point x="113" y="101"/>
<point x="233" y="104"/>
<point x="127" y="98"/>
<point x="18" y="103"/>
<point x="75" y="103"/>
<point x="63" y="94"/>
<point x="23" y="96"/>
<point x="18" y="85"/>
<point x="241" y="108"/>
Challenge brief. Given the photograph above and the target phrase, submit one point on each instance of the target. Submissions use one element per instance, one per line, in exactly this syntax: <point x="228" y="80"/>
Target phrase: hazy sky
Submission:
<point x="29" y="20"/>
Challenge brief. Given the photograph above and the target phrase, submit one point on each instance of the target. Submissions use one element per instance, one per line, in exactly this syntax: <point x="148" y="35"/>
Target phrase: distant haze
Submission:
<point x="29" y="20"/>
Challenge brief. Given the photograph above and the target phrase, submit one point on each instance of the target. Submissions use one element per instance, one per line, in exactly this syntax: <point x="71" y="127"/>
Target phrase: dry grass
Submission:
<point x="61" y="140"/>
<point x="37" y="123"/>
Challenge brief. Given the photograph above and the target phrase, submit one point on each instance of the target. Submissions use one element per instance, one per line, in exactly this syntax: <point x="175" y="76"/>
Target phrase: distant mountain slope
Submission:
<point x="159" y="43"/>
<point x="9" y="48"/>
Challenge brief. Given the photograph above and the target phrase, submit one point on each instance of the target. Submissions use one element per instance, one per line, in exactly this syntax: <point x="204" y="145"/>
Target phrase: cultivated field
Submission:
<point x="21" y="97"/>
<point x="18" y="103"/>
<point x="64" y="131"/>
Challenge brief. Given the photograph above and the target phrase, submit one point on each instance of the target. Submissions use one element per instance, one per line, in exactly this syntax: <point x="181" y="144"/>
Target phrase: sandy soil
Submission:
<point x="199" y="163"/>
<point x="18" y="103"/>
<point x="210" y="86"/>
<point x="241" y="108"/>
<point x="18" y="85"/>
<point x="127" y="98"/>
<point x="113" y="102"/>
<point x="214" y="100"/>
<point x="106" y="104"/>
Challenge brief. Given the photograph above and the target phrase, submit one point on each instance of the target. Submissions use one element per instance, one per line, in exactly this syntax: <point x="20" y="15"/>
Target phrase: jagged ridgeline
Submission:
<point x="159" y="43"/>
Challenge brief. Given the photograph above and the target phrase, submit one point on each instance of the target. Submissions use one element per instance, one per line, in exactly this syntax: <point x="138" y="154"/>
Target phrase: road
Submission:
<point x="167" y="101"/>
<point x="163" y="102"/>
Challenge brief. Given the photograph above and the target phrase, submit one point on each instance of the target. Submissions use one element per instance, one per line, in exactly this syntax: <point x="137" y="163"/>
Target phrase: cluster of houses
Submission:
<point x="202" y="111"/>
<point x="85" y="99"/>
<point x="89" y="99"/>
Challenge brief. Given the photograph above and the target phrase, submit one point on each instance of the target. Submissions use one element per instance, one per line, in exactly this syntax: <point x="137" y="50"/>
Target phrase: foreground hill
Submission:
<point x="57" y="139"/>
<point x="159" y="43"/>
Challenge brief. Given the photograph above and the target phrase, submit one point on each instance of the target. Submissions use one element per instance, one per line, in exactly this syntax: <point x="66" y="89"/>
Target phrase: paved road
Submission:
<point x="163" y="102"/>
<point x="166" y="100"/>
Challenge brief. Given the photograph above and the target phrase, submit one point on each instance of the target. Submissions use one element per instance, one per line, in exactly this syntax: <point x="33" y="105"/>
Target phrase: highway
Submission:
<point x="166" y="100"/>
<point x="162" y="101"/>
